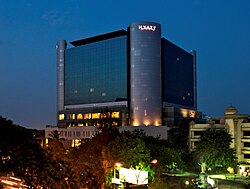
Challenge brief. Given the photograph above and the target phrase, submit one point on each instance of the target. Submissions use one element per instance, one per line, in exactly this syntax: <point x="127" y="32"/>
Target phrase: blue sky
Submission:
<point x="29" y="29"/>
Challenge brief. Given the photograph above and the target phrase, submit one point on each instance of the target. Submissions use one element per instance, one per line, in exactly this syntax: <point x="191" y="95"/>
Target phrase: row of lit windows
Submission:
<point x="77" y="134"/>
<point x="113" y="123"/>
<point x="90" y="116"/>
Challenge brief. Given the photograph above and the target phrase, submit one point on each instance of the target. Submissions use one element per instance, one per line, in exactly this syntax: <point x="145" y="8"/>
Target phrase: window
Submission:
<point x="246" y="156"/>
<point x="72" y="116"/>
<point x="197" y="133"/>
<point x="77" y="142"/>
<point x="105" y="115"/>
<point x="115" y="115"/>
<point x="79" y="116"/>
<point x="246" y="133"/>
<point x="195" y="144"/>
<point x="96" y="115"/>
<point x="78" y="133"/>
<point x="246" y="144"/>
<point x="61" y="116"/>
<point x="87" y="116"/>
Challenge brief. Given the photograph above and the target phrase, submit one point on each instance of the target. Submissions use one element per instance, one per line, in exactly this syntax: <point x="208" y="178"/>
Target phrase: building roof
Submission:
<point x="231" y="110"/>
<point x="97" y="38"/>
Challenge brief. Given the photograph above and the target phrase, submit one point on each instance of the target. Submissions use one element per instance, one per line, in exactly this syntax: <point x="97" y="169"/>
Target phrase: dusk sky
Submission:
<point x="219" y="30"/>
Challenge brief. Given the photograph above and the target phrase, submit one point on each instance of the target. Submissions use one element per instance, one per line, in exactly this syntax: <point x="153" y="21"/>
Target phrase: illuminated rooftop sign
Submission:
<point x="148" y="28"/>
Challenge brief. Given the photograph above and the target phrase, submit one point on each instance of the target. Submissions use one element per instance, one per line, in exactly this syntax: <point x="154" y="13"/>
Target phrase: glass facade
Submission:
<point x="145" y="75"/>
<point x="178" y="75"/>
<point x="136" y="73"/>
<point x="96" y="72"/>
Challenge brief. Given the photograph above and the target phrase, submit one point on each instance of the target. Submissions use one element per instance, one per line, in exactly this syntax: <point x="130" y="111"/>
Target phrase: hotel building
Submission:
<point x="129" y="77"/>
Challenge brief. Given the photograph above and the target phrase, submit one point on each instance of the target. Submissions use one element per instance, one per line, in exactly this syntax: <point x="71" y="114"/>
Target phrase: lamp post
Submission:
<point x="117" y="166"/>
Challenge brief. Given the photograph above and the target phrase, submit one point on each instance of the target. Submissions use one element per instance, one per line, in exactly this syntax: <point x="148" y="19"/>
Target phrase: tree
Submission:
<point x="20" y="154"/>
<point x="213" y="150"/>
<point x="131" y="153"/>
<point x="89" y="160"/>
<point x="128" y="151"/>
<point x="170" y="159"/>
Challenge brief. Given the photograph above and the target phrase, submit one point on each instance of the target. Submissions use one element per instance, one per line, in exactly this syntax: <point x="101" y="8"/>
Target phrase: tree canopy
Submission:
<point x="214" y="150"/>
<point x="128" y="151"/>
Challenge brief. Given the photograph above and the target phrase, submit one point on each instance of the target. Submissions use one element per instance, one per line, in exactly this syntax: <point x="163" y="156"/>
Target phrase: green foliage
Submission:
<point x="19" y="152"/>
<point x="214" y="149"/>
<point x="89" y="160"/>
<point x="23" y="156"/>
<point x="128" y="151"/>
<point x="170" y="159"/>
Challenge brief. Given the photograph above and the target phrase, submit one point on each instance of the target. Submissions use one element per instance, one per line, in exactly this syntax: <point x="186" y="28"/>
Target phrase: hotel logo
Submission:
<point x="148" y="28"/>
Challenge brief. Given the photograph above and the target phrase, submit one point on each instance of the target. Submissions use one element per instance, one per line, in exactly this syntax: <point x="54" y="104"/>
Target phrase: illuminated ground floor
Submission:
<point x="119" y="115"/>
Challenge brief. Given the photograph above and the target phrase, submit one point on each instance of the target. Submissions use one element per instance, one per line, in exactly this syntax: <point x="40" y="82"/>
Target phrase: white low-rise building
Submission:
<point x="237" y="125"/>
<point x="72" y="136"/>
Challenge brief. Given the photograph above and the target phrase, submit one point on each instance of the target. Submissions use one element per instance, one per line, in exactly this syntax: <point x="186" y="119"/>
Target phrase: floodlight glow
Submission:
<point x="154" y="161"/>
<point x="118" y="165"/>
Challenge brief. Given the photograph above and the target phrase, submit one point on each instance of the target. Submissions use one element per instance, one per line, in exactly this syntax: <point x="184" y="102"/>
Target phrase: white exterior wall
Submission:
<point x="235" y="125"/>
<point x="74" y="134"/>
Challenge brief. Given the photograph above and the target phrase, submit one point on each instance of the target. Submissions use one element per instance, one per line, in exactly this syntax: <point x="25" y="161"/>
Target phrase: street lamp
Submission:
<point x="118" y="165"/>
<point x="154" y="161"/>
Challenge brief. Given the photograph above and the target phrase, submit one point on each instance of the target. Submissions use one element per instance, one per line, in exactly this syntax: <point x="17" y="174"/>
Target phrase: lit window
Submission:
<point x="61" y="116"/>
<point x="80" y="124"/>
<point x="105" y="115"/>
<point x="96" y="115"/>
<point x="184" y="112"/>
<point x="115" y="115"/>
<point x="87" y="116"/>
<point x="92" y="90"/>
<point x="72" y="116"/>
<point x="79" y="116"/>
<point x="192" y="114"/>
<point x="77" y="142"/>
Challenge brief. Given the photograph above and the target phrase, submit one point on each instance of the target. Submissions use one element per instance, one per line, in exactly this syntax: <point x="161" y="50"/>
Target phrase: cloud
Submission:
<point x="54" y="18"/>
